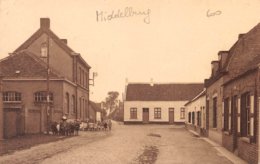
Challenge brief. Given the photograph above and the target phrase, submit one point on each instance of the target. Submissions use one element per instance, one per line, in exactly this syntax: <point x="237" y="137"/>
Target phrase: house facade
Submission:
<point x="232" y="97"/>
<point x="241" y="97"/>
<point x="214" y="96"/>
<point x="196" y="114"/>
<point x="157" y="103"/>
<point x="26" y="83"/>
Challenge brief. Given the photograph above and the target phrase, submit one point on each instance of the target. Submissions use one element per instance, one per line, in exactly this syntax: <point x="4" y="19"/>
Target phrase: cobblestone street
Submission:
<point x="124" y="144"/>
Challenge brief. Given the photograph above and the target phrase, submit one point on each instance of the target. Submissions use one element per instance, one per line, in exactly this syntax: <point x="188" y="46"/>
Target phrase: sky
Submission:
<point x="169" y="41"/>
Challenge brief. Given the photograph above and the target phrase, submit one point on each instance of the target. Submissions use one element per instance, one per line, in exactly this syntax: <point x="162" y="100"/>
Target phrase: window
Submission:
<point x="133" y="113"/>
<point x="73" y="104"/>
<point x="215" y="112"/>
<point x="193" y="118"/>
<point x="86" y="80"/>
<point x="42" y="96"/>
<point x="67" y="102"/>
<point x="189" y="117"/>
<point x="182" y="113"/>
<point x="80" y="107"/>
<point x="234" y="107"/>
<point x="199" y="118"/>
<point x="80" y="76"/>
<point x="245" y="114"/>
<point x="44" y="50"/>
<point x="12" y="96"/>
<point x="157" y="113"/>
<point x="83" y="107"/>
<point x="226" y="114"/>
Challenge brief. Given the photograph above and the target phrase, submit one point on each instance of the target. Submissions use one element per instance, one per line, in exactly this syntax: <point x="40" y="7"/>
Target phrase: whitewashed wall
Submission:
<point x="195" y="106"/>
<point x="164" y="105"/>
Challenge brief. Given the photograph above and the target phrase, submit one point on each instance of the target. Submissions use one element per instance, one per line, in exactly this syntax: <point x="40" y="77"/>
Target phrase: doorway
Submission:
<point x="171" y="115"/>
<point x="145" y="115"/>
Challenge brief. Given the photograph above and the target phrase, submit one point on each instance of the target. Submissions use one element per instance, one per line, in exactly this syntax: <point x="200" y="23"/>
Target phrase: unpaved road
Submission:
<point x="125" y="144"/>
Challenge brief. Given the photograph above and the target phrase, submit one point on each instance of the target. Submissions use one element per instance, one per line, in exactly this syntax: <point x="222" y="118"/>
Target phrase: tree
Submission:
<point x="111" y="101"/>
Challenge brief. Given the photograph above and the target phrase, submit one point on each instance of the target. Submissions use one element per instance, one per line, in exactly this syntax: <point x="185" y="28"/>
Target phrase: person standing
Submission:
<point x="109" y="124"/>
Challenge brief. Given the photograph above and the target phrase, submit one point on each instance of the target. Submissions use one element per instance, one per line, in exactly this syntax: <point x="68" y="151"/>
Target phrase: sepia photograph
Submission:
<point x="129" y="82"/>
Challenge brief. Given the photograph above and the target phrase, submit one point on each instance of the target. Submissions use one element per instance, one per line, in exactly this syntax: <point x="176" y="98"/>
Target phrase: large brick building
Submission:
<point x="235" y="79"/>
<point x="25" y="83"/>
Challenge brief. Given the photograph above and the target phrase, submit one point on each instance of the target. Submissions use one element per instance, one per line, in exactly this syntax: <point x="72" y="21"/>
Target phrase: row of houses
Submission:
<point x="225" y="108"/>
<point x="227" y="111"/>
<point x="42" y="81"/>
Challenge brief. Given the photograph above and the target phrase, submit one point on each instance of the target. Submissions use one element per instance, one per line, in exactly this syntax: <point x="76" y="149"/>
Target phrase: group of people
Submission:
<point x="71" y="126"/>
<point x="108" y="124"/>
<point x="65" y="127"/>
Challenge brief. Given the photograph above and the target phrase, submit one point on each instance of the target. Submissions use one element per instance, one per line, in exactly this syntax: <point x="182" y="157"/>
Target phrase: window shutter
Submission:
<point x="223" y="106"/>
<point x="252" y="115"/>
<point x="229" y="114"/>
<point x="238" y="115"/>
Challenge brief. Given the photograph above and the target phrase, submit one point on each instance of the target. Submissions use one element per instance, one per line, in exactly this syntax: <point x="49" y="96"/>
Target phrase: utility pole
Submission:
<point x="48" y="86"/>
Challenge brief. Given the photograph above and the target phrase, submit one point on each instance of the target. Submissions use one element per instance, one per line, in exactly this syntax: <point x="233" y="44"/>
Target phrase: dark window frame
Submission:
<point x="157" y="113"/>
<point x="182" y="113"/>
<point x="12" y="96"/>
<point x="41" y="96"/>
<point x="133" y="113"/>
<point x="215" y="112"/>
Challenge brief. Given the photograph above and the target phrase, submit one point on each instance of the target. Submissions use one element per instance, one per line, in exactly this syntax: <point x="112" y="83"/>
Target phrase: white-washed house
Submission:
<point x="196" y="113"/>
<point x="158" y="103"/>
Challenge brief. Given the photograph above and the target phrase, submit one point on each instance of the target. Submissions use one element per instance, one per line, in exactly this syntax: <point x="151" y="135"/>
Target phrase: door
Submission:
<point x="145" y="115"/>
<point x="171" y="115"/>
<point x="11" y="122"/>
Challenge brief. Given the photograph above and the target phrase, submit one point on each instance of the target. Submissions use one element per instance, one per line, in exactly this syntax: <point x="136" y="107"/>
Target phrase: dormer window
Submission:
<point x="44" y="50"/>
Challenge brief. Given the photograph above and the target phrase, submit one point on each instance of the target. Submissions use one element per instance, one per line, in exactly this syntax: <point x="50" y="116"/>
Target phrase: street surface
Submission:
<point x="125" y="144"/>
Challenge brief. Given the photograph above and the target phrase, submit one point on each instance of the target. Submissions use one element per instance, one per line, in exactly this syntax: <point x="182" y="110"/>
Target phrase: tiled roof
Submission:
<point x="202" y="93"/>
<point x="163" y="92"/>
<point x="25" y="64"/>
<point x="57" y="40"/>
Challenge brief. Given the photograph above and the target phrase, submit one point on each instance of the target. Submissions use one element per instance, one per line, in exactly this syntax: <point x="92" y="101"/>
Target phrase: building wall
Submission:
<point x="245" y="150"/>
<point x="58" y="58"/>
<point x="195" y="106"/>
<point x="82" y="110"/>
<point x="164" y="105"/>
<point x="215" y="90"/>
<point x="34" y="120"/>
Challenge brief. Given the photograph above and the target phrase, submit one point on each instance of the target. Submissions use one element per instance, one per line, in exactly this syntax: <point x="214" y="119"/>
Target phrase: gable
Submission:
<point x="58" y="58"/>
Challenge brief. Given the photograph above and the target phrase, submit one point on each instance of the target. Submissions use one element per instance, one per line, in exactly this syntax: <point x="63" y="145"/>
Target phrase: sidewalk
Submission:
<point x="232" y="157"/>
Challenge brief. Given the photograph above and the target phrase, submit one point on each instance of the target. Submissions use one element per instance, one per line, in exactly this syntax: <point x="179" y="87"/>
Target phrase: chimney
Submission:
<point x="214" y="67"/>
<point x="151" y="82"/>
<point x="240" y="36"/>
<point x="222" y="57"/>
<point x="64" y="41"/>
<point x="45" y="23"/>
